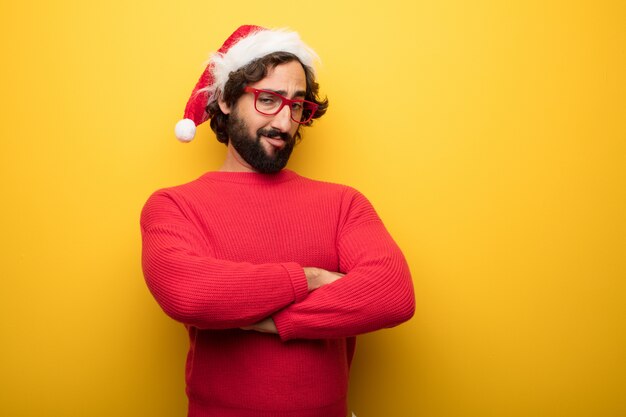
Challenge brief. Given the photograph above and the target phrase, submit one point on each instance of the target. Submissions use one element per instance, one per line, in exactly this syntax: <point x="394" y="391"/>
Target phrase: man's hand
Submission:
<point x="318" y="277"/>
<point x="264" y="326"/>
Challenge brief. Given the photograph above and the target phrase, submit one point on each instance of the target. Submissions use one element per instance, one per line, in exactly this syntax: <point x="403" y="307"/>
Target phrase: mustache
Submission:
<point x="274" y="133"/>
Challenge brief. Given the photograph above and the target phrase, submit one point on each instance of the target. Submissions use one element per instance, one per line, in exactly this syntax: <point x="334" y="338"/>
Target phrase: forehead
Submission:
<point x="288" y="77"/>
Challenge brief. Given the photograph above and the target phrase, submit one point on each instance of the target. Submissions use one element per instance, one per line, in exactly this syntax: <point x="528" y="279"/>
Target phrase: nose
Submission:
<point x="282" y="120"/>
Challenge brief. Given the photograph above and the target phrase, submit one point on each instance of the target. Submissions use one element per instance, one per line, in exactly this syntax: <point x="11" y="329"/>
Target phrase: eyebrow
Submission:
<point x="300" y="93"/>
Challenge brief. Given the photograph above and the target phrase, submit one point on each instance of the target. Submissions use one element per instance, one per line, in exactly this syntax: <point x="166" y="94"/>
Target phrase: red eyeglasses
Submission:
<point x="270" y="103"/>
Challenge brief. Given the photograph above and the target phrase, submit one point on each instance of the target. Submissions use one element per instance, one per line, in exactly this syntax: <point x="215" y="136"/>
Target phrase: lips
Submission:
<point x="275" y="142"/>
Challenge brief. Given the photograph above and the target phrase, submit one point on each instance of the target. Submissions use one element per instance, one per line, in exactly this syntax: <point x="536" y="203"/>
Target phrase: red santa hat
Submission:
<point x="245" y="45"/>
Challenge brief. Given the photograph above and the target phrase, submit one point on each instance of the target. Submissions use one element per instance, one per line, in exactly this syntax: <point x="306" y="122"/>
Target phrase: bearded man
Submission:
<point x="273" y="274"/>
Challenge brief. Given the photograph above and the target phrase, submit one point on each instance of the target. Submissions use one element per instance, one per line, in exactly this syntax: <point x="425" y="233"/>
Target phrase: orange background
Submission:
<point x="490" y="136"/>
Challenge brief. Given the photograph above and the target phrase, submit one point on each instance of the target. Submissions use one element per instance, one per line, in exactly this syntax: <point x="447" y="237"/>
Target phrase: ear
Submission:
<point x="224" y="107"/>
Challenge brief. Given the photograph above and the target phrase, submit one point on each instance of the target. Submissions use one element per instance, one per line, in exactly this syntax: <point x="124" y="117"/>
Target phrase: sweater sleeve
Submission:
<point x="195" y="288"/>
<point x="376" y="292"/>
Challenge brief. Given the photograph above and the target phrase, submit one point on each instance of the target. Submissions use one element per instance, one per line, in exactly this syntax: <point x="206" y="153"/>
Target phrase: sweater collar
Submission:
<point x="251" y="177"/>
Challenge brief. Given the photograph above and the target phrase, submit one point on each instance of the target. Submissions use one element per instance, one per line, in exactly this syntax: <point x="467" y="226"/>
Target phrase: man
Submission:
<point x="273" y="274"/>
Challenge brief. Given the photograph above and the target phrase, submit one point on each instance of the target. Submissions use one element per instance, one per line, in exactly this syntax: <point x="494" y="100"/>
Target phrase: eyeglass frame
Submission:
<point x="285" y="102"/>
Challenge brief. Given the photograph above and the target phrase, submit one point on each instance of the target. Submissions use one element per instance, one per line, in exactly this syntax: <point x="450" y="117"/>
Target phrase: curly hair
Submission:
<point x="251" y="73"/>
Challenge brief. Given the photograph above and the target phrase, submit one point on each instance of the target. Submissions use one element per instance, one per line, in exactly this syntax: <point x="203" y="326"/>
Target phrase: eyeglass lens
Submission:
<point x="271" y="103"/>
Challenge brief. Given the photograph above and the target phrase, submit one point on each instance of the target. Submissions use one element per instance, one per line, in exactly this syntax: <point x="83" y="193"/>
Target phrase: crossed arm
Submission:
<point x="316" y="278"/>
<point x="197" y="289"/>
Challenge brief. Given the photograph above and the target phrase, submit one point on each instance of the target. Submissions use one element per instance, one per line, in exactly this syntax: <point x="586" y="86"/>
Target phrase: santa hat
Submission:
<point x="245" y="45"/>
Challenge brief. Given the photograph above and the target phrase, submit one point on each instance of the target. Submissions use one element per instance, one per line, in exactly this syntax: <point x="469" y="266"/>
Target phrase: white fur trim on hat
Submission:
<point x="254" y="46"/>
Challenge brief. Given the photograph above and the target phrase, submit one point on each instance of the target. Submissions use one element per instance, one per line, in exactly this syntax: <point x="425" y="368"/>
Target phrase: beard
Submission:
<point x="251" y="149"/>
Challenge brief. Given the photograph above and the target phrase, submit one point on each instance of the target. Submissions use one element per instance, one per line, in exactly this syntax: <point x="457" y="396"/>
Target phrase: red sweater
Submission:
<point x="227" y="250"/>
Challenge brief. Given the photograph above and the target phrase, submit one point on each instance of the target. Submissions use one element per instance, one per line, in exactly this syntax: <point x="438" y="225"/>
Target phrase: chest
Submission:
<point x="270" y="228"/>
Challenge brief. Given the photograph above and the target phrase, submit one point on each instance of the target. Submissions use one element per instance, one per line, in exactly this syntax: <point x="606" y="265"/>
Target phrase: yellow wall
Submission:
<point x="489" y="135"/>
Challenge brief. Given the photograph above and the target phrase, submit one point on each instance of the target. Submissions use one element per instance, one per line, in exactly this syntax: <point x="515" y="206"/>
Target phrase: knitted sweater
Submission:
<point x="227" y="250"/>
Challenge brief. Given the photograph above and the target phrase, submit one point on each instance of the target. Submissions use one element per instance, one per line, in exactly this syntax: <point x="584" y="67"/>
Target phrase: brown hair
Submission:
<point x="251" y="73"/>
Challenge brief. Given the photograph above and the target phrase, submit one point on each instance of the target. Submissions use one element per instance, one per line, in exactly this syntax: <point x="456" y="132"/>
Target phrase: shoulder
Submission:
<point x="345" y="192"/>
<point x="199" y="186"/>
<point x="353" y="204"/>
<point x="175" y="199"/>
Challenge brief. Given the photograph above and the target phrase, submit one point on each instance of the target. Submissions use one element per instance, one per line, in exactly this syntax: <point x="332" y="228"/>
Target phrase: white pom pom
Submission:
<point x="185" y="130"/>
